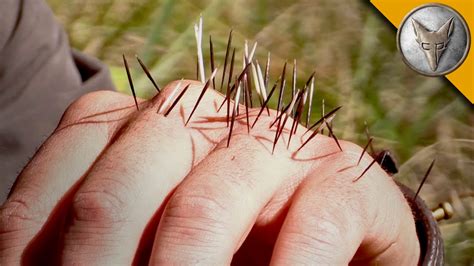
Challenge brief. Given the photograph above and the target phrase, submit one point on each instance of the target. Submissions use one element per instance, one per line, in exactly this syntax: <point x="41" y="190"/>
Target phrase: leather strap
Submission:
<point x="431" y="243"/>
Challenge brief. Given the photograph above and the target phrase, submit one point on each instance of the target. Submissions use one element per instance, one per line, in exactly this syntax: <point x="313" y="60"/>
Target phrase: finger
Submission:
<point x="332" y="219"/>
<point x="211" y="212"/>
<point x="129" y="182"/>
<point x="85" y="129"/>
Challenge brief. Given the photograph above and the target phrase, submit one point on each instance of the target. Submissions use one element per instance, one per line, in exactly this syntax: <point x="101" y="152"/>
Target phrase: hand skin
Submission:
<point x="113" y="186"/>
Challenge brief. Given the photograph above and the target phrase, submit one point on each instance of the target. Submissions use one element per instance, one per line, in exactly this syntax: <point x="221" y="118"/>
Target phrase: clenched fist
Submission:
<point x="115" y="186"/>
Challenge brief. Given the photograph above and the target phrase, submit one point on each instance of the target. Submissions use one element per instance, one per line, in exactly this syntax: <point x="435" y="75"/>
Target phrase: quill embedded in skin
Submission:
<point x="167" y="101"/>
<point x="148" y="74"/>
<point x="204" y="89"/>
<point x="424" y="178"/>
<point x="130" y="81"/>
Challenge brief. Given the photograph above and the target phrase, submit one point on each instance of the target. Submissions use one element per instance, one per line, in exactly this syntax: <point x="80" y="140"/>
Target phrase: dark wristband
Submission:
<point x="431" y="243"/>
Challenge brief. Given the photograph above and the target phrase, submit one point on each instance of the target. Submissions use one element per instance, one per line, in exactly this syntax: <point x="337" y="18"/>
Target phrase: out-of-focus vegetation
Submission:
<point x="349" y="45"/>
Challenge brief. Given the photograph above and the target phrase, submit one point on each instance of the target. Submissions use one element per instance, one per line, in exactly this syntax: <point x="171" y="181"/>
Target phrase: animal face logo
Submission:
<point x="433" y="43"/>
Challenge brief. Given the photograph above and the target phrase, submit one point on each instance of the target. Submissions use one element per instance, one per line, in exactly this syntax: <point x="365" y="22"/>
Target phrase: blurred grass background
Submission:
<point x="353" y="51"/>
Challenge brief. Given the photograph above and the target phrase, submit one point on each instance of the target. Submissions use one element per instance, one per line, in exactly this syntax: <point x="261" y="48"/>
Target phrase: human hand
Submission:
<point x="116" y="186"/>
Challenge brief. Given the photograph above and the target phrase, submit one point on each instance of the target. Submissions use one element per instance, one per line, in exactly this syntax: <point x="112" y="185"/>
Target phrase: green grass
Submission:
<point x="351" y="48"/>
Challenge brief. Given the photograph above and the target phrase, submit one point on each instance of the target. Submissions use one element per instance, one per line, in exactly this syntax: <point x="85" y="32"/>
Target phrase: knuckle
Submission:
<point x="14" y="215"/>
<point x="192" y="94"/>
<point x="16" y="224"/>
<point x="89" y="104"/>
<point x="194" y="217"/>
<point x="320" y="239"/>
<point x="99" y="206"/>
<point x="311" y="246"/>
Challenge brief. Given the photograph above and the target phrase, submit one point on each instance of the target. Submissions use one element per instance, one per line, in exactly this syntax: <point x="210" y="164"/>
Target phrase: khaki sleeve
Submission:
<point x="40" y="75"/>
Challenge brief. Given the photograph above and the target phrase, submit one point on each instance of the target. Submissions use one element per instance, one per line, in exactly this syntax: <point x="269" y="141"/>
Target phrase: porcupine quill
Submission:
<point x="177" y="100"/>
<point x="198" y="35"/>
<point x="204" y="89"/>
<point x="285" y="112"/>
<point x="280" y="116"/>
<point x="364" y="150"/>
<point x="229" y="43"/>
<point x="323" y="112"/>
<point x="282" y="88"/>
<point x="369" y="166"/>
<point x="246" y="103"/>
<point x="365" y="171"/>
<point x="165" y="103"/>
<point x="262" y="86"/>
<point x="319" y="122"/>
<point x="322" y="118"/>
<point x="299" y="110"/>
<point x="211" y="52"/>
<point x="293" y="80"/>
<point x="197" y="68"/>
<point x="266" y="102"/>
<point x="310" y="102"/>
<point x="424" y="178"/>
<point x="367" y="133"/>
<point x="276" y="135"/>
<point x="331" y="133"/>
<point x="301" y="97"/>
<point x="148" y="74"/>
<point x="236" y="103"/>
<point x="299" y="113"/>
<point x="267" y="70"/>
<point x="231" y="90"/>
<point x="130" y="81"/>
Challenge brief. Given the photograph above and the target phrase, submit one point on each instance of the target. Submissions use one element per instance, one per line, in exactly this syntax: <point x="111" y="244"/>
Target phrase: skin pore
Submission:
<point x="113" y="185"/>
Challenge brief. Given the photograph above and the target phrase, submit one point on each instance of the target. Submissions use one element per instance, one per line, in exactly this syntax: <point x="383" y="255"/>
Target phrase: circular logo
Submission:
<point x="433" y="39"/>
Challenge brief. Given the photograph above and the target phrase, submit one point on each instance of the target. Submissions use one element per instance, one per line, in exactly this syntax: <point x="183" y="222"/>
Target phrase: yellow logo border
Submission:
<point x="396" y="10"/>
